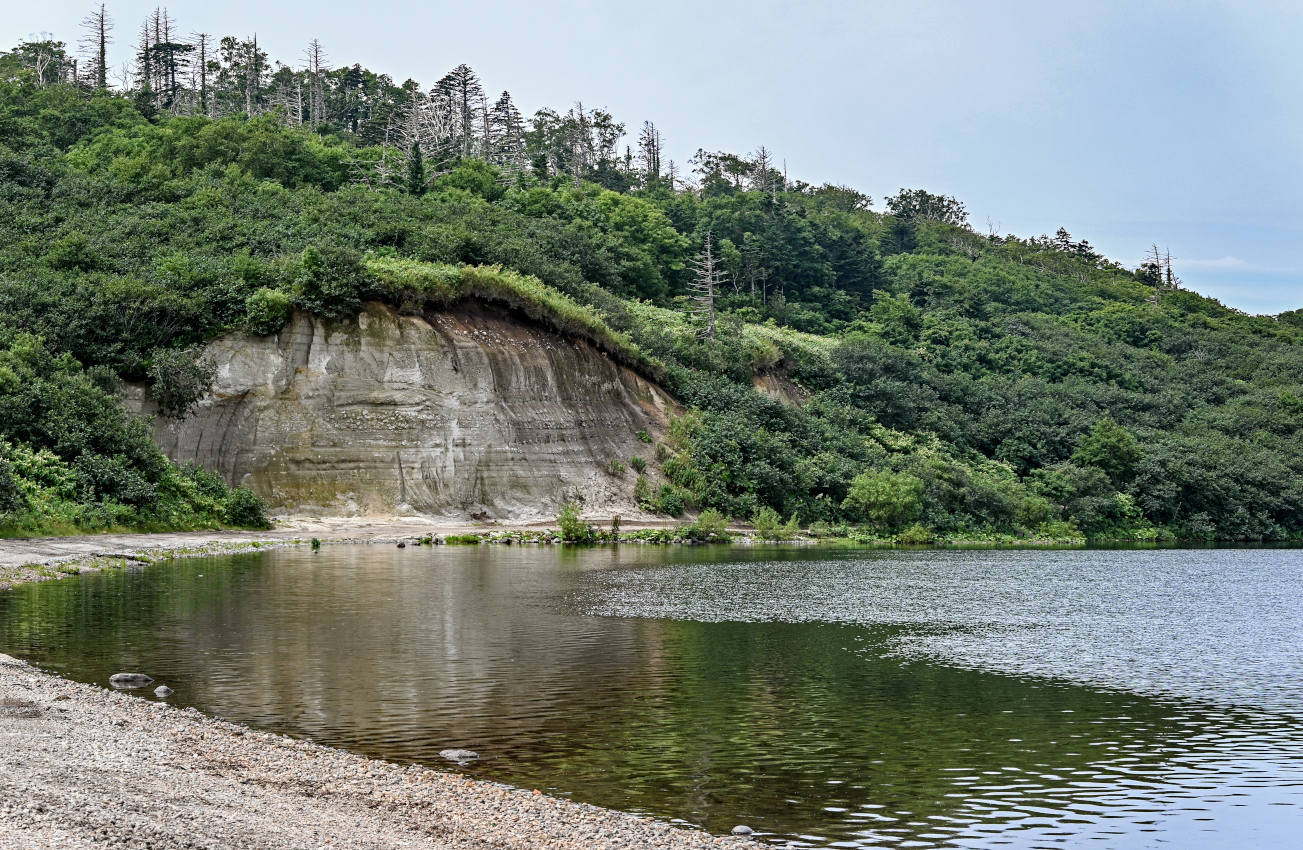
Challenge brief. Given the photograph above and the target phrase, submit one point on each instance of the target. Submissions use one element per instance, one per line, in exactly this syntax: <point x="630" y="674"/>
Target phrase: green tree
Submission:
<point x="888" y="500"/>
<point x="1109" y="447"/>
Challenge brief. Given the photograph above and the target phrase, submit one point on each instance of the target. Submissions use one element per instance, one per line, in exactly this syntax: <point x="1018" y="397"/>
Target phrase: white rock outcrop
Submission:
<point x="471" y="412"/>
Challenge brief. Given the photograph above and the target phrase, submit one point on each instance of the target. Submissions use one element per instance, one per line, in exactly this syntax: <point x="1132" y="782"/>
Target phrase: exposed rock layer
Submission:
<point x="470" y="412"/>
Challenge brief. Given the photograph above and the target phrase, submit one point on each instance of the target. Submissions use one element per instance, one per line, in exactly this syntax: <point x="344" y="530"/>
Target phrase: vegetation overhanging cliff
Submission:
<point x="949" y="381"/>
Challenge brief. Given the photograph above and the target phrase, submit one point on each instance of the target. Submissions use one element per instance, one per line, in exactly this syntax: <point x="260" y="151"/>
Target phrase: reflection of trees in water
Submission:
<point x="402" y="653"/>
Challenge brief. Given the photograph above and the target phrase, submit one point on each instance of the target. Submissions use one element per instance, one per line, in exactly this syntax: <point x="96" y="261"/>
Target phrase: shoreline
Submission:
<point x="85" y="767"/>
<point x="31" y="559"/>
<point x="25" y="560"/>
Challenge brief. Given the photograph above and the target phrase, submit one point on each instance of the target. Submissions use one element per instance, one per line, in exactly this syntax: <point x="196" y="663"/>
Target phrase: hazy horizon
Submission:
<point x="1177" y="124"/>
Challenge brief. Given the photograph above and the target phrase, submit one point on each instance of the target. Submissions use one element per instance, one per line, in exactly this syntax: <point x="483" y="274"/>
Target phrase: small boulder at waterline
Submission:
<point x="163" y="692"/>
<point x="129" y="680"/>
<point x="742" y="829"/>
<point x="460" y="756"/>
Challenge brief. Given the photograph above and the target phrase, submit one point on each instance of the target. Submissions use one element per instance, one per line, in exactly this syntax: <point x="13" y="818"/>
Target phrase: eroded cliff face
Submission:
<point x="468" y="413"/>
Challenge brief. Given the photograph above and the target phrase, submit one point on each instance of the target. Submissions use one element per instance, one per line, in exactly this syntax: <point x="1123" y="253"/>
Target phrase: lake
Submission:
<point x="827" y="698"/>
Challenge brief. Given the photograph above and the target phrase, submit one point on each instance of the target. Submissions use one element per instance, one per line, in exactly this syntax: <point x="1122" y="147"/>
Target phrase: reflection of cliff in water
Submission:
<point x="799" y="728"/>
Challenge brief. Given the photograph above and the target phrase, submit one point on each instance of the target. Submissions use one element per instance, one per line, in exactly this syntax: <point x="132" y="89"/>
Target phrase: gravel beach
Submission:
<point x="28" y="559"/>
<point x="81" y="766"/>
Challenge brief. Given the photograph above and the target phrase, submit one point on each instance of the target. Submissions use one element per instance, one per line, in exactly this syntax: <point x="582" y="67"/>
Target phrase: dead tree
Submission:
<point x="200" y="74"/>
<point x="708" y="280"/>
<point x="315" y="67"/>
<point x="762" y="172"/>
<point x="95" y="41"/>
<point x="1158" y="269"/>
<point x="650" y="145"/>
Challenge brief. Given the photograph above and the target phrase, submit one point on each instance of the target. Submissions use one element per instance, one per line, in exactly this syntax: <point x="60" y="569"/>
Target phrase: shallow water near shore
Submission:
<point x="826" y="698"/>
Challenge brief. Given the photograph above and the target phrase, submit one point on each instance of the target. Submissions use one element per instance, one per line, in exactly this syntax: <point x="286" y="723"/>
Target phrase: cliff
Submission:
<point x="468" y="412"/>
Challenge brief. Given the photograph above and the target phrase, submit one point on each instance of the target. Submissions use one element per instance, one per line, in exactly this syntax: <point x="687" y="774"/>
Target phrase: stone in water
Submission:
<point x="461" y="756"/>
<point x="129" y="680"/>
<point x="742" y="829"/>
<point x="163" y="691"/>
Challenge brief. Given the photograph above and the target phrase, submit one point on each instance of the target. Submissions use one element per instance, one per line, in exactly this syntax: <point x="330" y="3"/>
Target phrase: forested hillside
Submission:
<point x="939" y="382"/>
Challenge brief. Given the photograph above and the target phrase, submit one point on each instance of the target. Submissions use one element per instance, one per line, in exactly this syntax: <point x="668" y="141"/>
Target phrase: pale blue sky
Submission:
<point x="1178" y="123"/>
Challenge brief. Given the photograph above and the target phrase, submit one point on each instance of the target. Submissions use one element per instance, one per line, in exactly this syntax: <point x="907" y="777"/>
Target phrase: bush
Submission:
<point x="642" y="494"/>
<point x="711" y="526"/>
<point x="668" y="501"/>
<point x="886" y="499"/>
<point x="244" y="509"/>
<point x="266" y="311"/>
<point x="573" y="528"/>
<point x="615" y="467"/>
<point x="180" y="378"/>
<point x="644" y="436"/>
<point x="766" y="521"/>
<point x="331" y="280"/>
<point x="462" y="540"/>
<point x="12" y="497"/>
<point x="915" y="535"/>
<point x="639" y="464"/>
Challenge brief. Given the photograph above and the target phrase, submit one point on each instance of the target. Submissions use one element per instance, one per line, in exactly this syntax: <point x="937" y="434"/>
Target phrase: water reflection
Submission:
<point x="701" y="684"/>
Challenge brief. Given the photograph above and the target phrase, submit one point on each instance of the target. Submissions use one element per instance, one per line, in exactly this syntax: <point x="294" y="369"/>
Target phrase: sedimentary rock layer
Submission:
<point x="471" y="412"/>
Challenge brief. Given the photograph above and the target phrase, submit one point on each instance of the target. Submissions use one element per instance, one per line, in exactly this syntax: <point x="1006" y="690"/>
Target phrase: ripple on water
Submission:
<point x="922" y="699"/>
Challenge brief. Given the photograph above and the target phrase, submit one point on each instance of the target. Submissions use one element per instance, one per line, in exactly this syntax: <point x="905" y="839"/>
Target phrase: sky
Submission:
<point x="1129" y="123"/>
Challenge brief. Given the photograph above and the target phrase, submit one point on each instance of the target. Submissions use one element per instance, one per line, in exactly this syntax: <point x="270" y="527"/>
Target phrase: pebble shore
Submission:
<point x="81" y="766"/>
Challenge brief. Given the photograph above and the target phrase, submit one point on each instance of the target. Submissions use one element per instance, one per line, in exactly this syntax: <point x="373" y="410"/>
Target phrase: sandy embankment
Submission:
<point x="84" y="767"/>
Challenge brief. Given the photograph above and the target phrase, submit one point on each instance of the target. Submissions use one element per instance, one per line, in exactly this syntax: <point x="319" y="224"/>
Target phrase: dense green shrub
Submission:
<point x="888" y="500"/>
<point x="710" y="526"/>
<point x="572" y="526"/>
<point x="242" y="508"/>
<point x="994" y="371"/>
<point x="267" y="311"/>
<point x="180" y="377"/>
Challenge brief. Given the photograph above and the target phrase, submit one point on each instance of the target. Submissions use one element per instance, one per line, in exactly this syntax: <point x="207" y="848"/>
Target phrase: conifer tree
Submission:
<point x="97" y="27"/>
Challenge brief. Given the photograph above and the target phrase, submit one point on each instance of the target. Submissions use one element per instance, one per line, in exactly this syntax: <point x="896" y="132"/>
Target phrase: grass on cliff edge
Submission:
<point x="414" y="283"/>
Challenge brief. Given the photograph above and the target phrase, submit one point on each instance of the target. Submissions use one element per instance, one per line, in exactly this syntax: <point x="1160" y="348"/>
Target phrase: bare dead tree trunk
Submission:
<point x="709" y="278"/>
<point x="97" y="26"/>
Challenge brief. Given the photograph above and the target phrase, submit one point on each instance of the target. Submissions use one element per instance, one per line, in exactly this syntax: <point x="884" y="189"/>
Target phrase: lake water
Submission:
<point x="838" y="698"/>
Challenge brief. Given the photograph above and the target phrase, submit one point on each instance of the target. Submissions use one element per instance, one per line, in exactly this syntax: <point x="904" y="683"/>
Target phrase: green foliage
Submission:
<point x="70" y="459"/>
<point x="668" y="501"/>
<point x="180" y="377"/>
<point x="12" y="498"/>
<point x="330" y="280"/>
<point x="462" y="540"/>
<point x="615" y="467"/>
<point x="769" y="524"/>
<point x="989" y="372"/>
<point x="244" y="509"/>
<point x="886" y="499"/>
<point x="766" y="521"/>
<point x="917" y="204"/>
<point x="916" y="535"/>
<point x="572" y="526"/>
<point x="642" y="493"/>
<point x="267" y="310"/>
<point x="1109" y="447"/>
<point x="639" y="464"/>
<point x="710" y="526"/>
